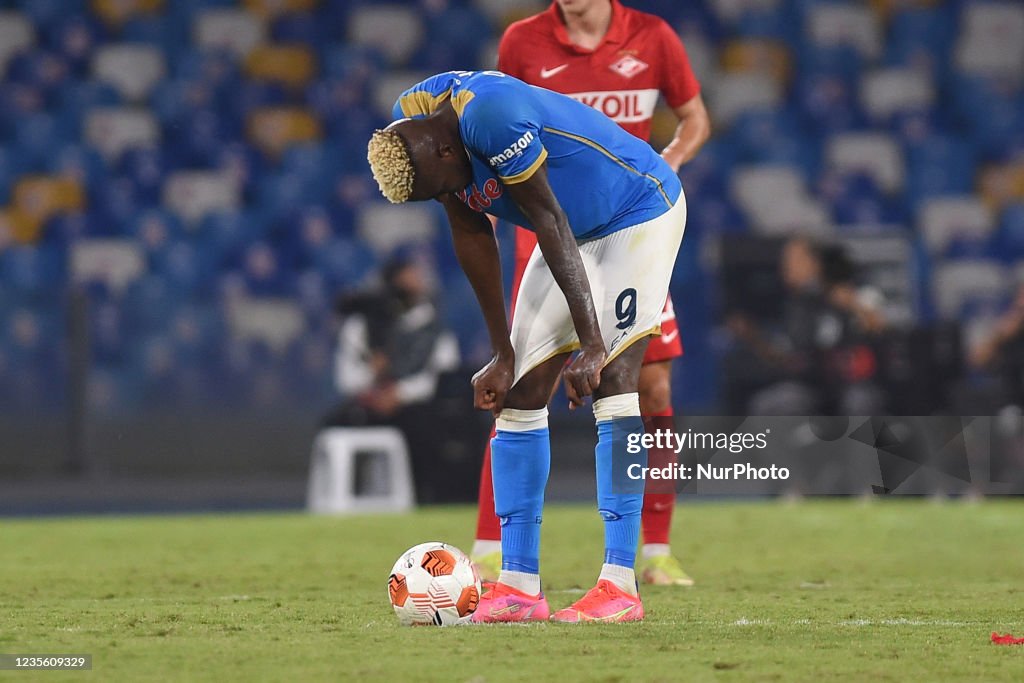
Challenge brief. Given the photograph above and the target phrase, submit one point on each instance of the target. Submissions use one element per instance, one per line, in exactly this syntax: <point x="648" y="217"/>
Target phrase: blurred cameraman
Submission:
<point x="1000" y="353"/>
<point x="392" y="350"/>
<point x="818" y="359"/>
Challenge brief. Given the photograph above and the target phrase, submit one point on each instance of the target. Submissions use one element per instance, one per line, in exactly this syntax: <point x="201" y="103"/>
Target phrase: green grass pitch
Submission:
<point x="888" y="591"/>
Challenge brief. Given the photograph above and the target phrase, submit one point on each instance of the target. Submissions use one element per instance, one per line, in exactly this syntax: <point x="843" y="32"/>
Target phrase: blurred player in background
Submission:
<point x="609" y="215"/>
<point x="616" y="60"/>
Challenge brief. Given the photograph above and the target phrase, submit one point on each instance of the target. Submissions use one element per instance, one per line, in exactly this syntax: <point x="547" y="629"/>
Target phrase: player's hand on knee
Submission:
<point x="583" y="376"/>
<point x="491" y="384"/>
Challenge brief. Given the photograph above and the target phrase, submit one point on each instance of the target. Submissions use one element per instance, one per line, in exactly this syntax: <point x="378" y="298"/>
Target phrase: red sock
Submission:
<point x="656" y="518"/>
<point x="488" y="527"/>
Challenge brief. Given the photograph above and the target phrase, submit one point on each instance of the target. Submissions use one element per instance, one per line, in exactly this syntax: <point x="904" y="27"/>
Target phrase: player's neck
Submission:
<point x="588" y="28"/>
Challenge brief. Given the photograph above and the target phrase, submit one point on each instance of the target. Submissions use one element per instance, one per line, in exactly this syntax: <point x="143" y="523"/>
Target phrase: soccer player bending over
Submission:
<point x="609" y="216"/>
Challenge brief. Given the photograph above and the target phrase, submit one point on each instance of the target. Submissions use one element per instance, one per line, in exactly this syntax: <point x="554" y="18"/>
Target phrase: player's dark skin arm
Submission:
<point x="558" y="245"/>
<point x="477" y="251"/>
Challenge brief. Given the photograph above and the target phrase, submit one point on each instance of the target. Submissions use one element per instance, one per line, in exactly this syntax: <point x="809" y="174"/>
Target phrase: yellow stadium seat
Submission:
<point x="769" y="57"/>
<point x="273" y="8"/>
<point x="884" y="8"/>
<point x="119" y="11"/>
<point x="291" y="65"/>
<point x="275" y="129"/>
<point x="1001" y="185"/>
<point x="38" y="197"/>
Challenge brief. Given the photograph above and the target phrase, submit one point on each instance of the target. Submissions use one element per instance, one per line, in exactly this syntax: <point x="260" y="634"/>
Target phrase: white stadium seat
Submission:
<point x="960" y="281"/>
<point x="386" y="226"/>
<point x="390" y="85"/>
<point x="875" y="154"/>
<point x="801" y="216"/>
<point x="733" y="93"/>
<point x="776" y="202"/>
<point x="16" y="34"/>
<point x="991" y="40"/>
<point x="112" y="130"/>
<point x="275" y="322"/>
<point x="131" y="68"/>
<point x="193" y="194"/>
<point x="393" y="29"/>
<point x="732" y="10"/>
<point x="234" y="30"/>
<point x="942" y="219"/>
<point x="853" y="24"/>
<point x="888" y="91"/>
<point x="116" y="262"/>
<point x="755" y="185"/>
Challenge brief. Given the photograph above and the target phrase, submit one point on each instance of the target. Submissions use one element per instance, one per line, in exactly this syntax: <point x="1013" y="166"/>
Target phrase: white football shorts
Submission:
<point x="629" y="273"/>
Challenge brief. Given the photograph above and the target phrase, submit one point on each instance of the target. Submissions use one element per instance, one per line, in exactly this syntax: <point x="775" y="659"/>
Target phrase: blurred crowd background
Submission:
<point x="186" y="208"/>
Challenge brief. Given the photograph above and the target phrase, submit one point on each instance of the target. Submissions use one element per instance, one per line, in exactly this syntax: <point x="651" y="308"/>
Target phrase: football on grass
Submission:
<point x="433" y="584"/>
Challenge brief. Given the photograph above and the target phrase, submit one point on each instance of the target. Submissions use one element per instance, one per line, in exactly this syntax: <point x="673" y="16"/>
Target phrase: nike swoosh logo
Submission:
<point x="670" y="336"/>
<point x="548" y="73"/>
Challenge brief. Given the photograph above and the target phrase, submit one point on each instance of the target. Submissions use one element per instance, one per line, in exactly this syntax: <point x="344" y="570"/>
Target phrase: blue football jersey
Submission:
<point x="604" y="178"/>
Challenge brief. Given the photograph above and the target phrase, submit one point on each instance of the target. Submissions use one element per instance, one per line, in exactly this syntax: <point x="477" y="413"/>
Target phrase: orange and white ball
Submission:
<point x="433" y="584"/>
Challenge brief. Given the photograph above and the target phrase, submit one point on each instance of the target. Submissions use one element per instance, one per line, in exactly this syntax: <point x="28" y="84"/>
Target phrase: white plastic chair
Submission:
<point x="332" y="475"/>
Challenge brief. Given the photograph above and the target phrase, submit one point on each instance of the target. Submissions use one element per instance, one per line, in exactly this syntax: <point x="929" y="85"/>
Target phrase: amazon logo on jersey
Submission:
<point x="512" y="150"/>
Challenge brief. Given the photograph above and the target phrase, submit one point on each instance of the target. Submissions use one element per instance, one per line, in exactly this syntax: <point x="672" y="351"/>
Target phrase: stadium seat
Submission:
<point x="274" y="129"/>
<point x="16" y="34"/>
<point x="393" y="29"/>
<point x="889" y="91"/>
<point x="389" y="86"/>
<point x="873" y="153"/>
<point x="732" y="94"/>
<point x="845" y="24"/>
<point x="290" y="65"/>
<point x="116" y="12"/>
<point x="131" y="68"/>
<point x="731" y="11"/>
<point x="1002" y="184"/>
<point x="943" y="219"/>
<point x="991" y="40"/>
<point x="114" y="262"/>
<point x="957" y="283"/>
<point x="767" y="57"/>
<point x="40" y="197"/>
<point x="274" y="322"/>
<point x="234" y="30"/>
<point x="753" y="186"/>
<point x="193" y="194"/>
<point x="272" y="8"/>
<point x="829" y="101"/>
<point x="387" y="226"/>
<point x="1010" y="238"/>
<point x="113" y="130"/>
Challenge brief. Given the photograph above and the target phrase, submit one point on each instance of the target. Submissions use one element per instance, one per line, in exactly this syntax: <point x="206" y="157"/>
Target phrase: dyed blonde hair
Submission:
<point x="391" y="165"/>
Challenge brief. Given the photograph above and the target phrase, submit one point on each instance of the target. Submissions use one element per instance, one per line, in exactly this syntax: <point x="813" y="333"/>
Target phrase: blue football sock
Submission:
<point x="619" y="499"/>
<point x="520" y="462"/>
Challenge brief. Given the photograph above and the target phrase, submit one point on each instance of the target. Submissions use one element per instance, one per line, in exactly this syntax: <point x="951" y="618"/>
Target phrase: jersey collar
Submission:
<point x="616" y="29"/>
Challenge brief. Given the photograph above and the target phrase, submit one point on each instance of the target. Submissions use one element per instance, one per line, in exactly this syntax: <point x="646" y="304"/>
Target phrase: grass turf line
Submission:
<point x="900" y="590"/>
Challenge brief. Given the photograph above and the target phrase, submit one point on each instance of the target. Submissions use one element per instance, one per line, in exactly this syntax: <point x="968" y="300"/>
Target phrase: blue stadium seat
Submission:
<point x="302" y="27"/>
<point x="39" y="138"/>
<point x="32" y="271"/>
<point x="351" y="61"/>
<point x="80" y="162"/>
<point x="146" y="167"/>
<point x="224" y="234"/>
<point x="1010" y="235"/>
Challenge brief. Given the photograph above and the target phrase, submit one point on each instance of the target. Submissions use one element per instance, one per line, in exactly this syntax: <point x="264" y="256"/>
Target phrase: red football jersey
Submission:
<point x="640" y="57"/>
